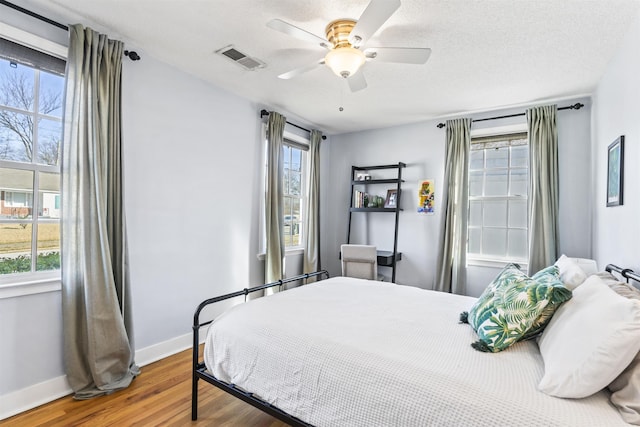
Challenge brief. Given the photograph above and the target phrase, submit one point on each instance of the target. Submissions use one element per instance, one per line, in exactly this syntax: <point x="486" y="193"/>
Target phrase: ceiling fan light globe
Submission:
<point x="345" y="61"/>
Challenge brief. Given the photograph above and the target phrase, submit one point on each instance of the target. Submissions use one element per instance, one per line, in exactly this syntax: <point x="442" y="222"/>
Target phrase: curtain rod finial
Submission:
<point x="440" y="125"/>
<point x="133" y="55"/>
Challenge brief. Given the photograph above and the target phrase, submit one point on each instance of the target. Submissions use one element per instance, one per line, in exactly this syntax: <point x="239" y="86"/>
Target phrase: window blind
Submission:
<point x="20" y="54"/>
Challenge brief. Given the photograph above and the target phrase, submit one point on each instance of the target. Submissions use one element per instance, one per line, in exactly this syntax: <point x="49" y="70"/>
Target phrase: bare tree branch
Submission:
<point x="17" y="91"/>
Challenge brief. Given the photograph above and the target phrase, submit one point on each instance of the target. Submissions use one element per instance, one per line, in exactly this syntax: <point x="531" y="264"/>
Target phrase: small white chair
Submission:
<point x="360" y="261"/>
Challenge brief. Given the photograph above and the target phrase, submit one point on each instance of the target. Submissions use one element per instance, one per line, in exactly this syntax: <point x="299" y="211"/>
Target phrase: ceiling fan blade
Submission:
<point x="357" y="81"/>
<point x="376" y="14"/>
<point x="297" y="71"/>
<point x="298" y="33"/>
<point x="405" y="55"/>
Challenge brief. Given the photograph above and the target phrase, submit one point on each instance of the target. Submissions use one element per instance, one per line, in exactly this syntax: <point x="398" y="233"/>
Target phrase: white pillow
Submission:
<point x="589" y="266"/>
<point x="589" y="341"/>
<point x="571" y="273"/>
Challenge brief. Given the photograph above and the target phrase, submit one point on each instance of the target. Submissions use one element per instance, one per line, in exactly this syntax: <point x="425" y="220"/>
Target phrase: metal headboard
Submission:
<point x="626" y="273"/>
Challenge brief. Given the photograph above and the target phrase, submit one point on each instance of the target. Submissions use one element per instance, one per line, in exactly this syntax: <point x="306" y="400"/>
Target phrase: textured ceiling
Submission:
<point x="486" y="54"/>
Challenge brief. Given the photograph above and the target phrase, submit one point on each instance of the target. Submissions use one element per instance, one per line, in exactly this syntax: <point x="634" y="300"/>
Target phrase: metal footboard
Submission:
<point x="200" y="370"/>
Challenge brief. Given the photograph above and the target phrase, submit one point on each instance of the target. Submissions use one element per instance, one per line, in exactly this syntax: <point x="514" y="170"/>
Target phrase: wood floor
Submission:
<point x="160" y="396"/>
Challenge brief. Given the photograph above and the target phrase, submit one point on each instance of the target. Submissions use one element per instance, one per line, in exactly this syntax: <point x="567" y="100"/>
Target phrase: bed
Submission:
<point x="354" y="352"/>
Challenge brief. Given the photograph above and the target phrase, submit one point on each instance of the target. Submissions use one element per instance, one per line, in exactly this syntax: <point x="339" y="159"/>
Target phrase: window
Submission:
<point x="498" y="189"/>
<point x="293" y="194"/>
<point x="17" y="200"/>
<point x="31" y="94"/>
<point x="294" y="187"/>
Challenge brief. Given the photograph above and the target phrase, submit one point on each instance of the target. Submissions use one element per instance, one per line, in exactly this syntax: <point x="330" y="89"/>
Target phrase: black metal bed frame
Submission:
<point x="626" y="273"/>
<point x="200" y="370"/>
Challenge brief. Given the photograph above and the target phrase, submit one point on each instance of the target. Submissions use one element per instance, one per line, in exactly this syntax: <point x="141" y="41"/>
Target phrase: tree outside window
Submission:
<point x="30" y="141"/>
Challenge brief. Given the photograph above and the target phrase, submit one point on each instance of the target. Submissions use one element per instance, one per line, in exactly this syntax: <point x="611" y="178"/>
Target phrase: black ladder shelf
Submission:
<point x="385" y="258"/>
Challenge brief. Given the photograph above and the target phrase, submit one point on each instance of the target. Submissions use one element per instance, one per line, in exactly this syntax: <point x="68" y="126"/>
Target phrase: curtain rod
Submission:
<point x="131" y="54"/>
<point x="575" y="106"/>
<point x="266" y="113"/>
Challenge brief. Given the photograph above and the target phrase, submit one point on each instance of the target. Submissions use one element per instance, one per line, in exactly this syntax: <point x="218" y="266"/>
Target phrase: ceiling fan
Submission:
<point x="345" y="40"/>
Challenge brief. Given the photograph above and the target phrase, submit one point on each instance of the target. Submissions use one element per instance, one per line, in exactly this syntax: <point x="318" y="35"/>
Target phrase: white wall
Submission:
<point x="421" y="147"/>
<point x="31" y="349"/>
<point x="616" y="111"/>
<point x="189" y="152"/>
<point x="192" y="200"/>
<point x="416" y="145"/>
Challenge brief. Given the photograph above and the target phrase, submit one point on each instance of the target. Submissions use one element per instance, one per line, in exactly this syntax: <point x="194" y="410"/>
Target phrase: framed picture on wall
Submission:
<point x="426" y="197"/>
<point x="615" y="172"/>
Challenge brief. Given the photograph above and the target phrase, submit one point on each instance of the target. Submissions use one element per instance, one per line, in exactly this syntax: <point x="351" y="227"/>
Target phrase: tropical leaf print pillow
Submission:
<point x="511" y="305"/>
<point x="560" y="294"/>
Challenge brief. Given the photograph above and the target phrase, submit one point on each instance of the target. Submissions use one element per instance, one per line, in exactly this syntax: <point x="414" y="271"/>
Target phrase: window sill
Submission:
<point x="288" y="252"/>
<point x="494" y="263"/>
<point x="29" y="284"/>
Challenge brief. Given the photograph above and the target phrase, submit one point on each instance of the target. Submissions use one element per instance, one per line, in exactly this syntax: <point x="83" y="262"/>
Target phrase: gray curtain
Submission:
<point x="455" y="195"/>
<point x="543" y="187"/>
<point x="274" y="258"/>
<point x="99" y="356"/>
<point x="311" y="261"/>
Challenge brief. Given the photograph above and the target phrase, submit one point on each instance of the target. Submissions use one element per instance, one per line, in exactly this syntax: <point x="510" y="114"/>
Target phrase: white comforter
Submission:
<point x="350" y="352"/>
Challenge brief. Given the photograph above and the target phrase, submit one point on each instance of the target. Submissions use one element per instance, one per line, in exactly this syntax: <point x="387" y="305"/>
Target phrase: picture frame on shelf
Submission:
<point x="615" y="172"/>
<point x="392" y="199"/>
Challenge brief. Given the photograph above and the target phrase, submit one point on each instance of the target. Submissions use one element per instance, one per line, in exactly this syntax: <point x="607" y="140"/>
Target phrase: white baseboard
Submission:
<point x="38" y="394"/>
<point x="155" y="352"/>
<point x="35" y="395"/>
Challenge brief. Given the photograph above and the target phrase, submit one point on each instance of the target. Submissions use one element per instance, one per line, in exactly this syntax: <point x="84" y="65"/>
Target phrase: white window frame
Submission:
<point x="20" y="284"/>
<point x="495" y="261"/>
<point x="292" y="139"/>
<point x="303" y="147"/>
